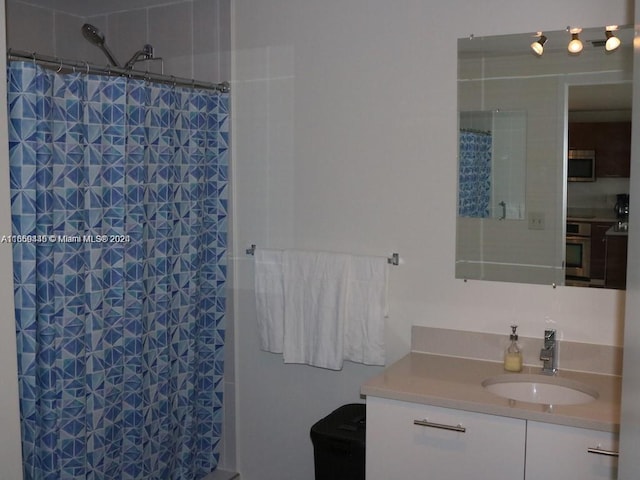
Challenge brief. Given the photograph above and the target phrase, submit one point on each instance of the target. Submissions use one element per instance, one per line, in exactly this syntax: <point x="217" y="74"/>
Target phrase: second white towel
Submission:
<point x="366" y="310"/>
<point x="269" y="289"/>
<point x="315" y="299"/>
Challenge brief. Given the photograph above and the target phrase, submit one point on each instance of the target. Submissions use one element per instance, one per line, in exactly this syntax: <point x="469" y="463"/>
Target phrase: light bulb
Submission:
<point x="612" y="43"/>
<point x="575" y="45"/>
<point x="538" y="45"/>
<point x="537" y="48"/>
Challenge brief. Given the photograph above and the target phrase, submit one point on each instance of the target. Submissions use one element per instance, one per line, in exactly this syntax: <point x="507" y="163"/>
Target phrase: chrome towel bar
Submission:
<point x="394" y="259"/>
<point x="600" y="451"/>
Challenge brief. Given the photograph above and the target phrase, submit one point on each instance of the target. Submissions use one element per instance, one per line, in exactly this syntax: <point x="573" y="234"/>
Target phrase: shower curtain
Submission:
<point x="474" y="182"/>
<point x="119" y="212"/>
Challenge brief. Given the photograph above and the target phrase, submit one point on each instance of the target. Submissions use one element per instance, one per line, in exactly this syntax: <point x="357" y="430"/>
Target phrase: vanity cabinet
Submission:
<point x="556" y="451"/>
<point x="401" y="444"/>
<point x="491" y="448"/>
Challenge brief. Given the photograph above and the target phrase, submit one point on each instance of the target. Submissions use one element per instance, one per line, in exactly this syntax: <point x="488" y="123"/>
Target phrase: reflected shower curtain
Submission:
<point x="119" y="212"/>
<point x="474" y="182"/>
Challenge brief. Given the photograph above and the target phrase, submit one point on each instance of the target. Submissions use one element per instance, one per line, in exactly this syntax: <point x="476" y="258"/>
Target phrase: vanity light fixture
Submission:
<point x="613" y="42"/>
<point x="575" y="45"/>
<point x="538" y="45"/>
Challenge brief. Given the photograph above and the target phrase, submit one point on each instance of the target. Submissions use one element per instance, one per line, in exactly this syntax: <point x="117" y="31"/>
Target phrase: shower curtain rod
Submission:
<point x="75" y="65"/>
<point x="473" y="130"/>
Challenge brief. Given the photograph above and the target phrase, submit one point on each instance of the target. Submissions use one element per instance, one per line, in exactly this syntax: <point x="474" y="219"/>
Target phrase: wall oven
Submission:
<point x="578" y="250"/>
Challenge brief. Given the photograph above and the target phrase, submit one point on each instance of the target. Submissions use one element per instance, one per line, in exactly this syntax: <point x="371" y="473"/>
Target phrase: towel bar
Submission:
<point x="394" y="259"/>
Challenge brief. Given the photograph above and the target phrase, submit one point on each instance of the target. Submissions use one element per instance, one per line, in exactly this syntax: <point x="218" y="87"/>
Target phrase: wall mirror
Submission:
<point x="543" y="160"/>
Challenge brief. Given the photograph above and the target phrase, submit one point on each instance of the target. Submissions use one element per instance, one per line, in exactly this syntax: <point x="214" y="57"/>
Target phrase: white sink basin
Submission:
<point x="540" y="389"/>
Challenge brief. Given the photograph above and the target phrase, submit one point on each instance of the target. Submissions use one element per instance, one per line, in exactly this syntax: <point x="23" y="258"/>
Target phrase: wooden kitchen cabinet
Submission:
<point x="491" y="448"/>
<point x="616" y="262"/>
<point x="557" y="451"/>
<point x="599" y="250"/>
<point x="611" y="142"/>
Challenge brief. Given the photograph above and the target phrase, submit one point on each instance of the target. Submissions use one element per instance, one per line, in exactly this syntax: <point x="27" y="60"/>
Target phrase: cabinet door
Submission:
<point x="611" y="142"/>
<point x="613" y="152"/>
<point x="567" y="453"/>
<point x="598" y="249"/>
<point x="616" y="263"/>
<point x="490" y="448"/>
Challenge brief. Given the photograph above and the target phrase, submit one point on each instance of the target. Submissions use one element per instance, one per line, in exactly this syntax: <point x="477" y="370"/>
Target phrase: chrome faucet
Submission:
<point x="549" y="354"/>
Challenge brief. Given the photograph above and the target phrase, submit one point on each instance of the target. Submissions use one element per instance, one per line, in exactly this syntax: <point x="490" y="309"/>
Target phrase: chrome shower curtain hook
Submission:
<point x="59" y="66"/>
<point x="87" y="65"/>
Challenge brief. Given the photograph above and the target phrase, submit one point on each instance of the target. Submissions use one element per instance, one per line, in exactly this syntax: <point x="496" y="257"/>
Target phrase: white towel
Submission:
<point x="315" y="292"/>
<point x="366" y="310"/>
<point x="269" y="299"/>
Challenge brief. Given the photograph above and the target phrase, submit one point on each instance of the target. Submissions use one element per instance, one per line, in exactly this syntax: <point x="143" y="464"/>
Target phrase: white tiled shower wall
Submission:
<point x="192" y="36"/>
<point x="194" y="39"/>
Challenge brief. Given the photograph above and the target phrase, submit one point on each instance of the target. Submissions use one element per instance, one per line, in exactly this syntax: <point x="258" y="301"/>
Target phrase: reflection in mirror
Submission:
<point x="492" y="164"/>
<point x="520" y="114"/>
<point x="599" y="139"/>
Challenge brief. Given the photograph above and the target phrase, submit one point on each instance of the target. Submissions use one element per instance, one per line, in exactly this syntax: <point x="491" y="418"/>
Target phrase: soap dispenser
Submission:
<point x="513" y="354"/>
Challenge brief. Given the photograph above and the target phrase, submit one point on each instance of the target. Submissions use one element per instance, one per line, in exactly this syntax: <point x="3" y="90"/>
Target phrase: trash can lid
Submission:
<point x="347" y="422"/>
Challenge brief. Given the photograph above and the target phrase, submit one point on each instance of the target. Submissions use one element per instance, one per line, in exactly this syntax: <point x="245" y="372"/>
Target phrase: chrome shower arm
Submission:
<point x="145" y="54"/>
<point x="109" y="55"/>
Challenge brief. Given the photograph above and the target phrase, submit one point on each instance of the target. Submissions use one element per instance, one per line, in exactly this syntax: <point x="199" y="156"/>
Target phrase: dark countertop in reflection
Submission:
<point x="620" y="229"/>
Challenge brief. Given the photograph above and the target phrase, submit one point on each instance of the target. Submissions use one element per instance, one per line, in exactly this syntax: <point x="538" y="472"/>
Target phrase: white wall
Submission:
<point x="629" y="464"/>
<point x="10" y="449"/>
<point x="345" y="140"/>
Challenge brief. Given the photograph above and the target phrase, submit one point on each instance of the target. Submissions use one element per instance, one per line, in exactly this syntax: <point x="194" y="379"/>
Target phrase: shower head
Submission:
<point x="92" y="34"/>
<point x="96" y="37"/>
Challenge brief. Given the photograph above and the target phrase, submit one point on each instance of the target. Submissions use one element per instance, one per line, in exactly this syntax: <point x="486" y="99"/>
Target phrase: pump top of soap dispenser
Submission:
<point x="514" y="335"/>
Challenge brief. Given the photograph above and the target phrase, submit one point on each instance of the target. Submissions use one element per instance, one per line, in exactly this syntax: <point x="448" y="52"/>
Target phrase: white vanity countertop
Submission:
<point x="455" y="382"/>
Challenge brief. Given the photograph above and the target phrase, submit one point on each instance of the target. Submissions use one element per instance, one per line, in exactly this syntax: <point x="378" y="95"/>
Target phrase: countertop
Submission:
<point x="455" y="382"/>
<point x="600" y="215"/>
<point x="591" y="215"/>
<point x="620" y="229"/>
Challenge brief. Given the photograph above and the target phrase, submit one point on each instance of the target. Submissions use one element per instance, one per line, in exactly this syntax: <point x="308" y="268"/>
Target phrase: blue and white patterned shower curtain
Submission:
<point x="474" y="182"/>
<point x="119" y="211"/>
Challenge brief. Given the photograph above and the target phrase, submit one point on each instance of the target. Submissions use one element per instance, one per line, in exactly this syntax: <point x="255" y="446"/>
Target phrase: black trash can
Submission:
<point x="339" y="443"/>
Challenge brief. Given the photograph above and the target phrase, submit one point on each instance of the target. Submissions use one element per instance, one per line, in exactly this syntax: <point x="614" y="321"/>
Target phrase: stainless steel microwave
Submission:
<point x="581" y="166"/>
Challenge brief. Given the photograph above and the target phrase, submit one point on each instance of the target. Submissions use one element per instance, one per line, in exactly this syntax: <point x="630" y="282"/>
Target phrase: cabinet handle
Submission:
<point x="600" y="451"/>
<point x="442" y="426"/>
